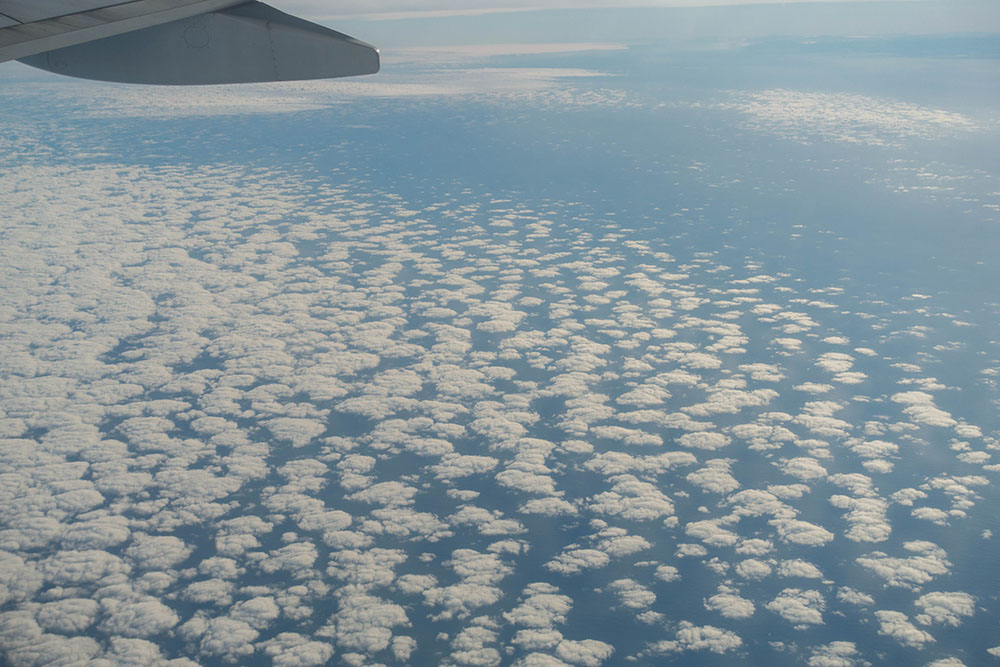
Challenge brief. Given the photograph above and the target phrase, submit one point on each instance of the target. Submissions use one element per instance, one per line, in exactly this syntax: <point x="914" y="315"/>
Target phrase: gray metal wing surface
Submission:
<point x="176" y="42"/>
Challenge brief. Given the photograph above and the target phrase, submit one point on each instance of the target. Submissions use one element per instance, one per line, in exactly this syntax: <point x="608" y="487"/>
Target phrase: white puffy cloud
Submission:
<point x="364" y="622"/>
<point x="814" y="388"/>
<point x="715" y="477"/>
<point x="138" y="652"/>
<point x="541" y="606"/>
<point x="586" y="652"/>
<point x="690" y="637"/>
<point x="472" y="647"/>
<point x="932" y="514"/>
<point x="731" y="401"/>
<point x="945" y="607"/>
<point x="296" y="558"/>
<point x="799" y="607"/>
<point x="209" y="591"/>
<point x="801" y="532"/>
<point x="644" y="396"/>
<point x="98" y="533"/>
<point x="704" y="440"/>
<point x="299" y="432"/>
<point x="632" y="594"/>
<point x="928" y="561"/>
<point x="144" y="617"/>
<point x="81" y="567"/>
<point x="835" y="654"/>
<point x="712" y="533"/>
<point x="920" y="408"/>
<point x="799" y="568"/>
<point x="866" y="516"/>
<point x="289" y="649"/>
<point x="402" y="647"/>
<point x="258" y="612"/>
<point x="804" y="468"/>
<point x="730" y="605"/>
<point x="897" y="625"/>
<point x="19" y="580"/>
<point x="757" y="502"/>
<point x="527" y="482"/>
<point x="222" y="636"/>
<point x="907" y="496"/>
<point x="389" y="494"/>
<point x="68" y="616"/>
<point x="751" y="568"/>
<point x="370" y="568"/>
<point x="455" y="466"/>
<point x="691" y="551"/>
<point x="763" y="372"/>
<point x="540" y="660"/>
<point x="632" y="499"/>
<point x="616" y="542"/>
<point x="487" y="522"/>
<point x="852" y="596"/>
<point x="627" y="436"/>
<point x="615" y="463"/>
<point x="754" y="546"/>
<point x="817" y="416"/>
<point x="548" y="507"/>
<point x="479" y="575"/>
<point x="157" y="552"/>
<point x="574" y="561"/>
<point x="534" y="640"/>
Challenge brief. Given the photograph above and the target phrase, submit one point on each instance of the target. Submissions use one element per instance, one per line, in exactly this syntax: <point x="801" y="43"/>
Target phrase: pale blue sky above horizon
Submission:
<point x="392" y="23"/>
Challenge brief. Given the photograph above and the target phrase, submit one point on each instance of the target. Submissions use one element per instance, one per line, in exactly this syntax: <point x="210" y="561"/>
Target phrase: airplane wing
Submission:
<point x="176" y="42"/>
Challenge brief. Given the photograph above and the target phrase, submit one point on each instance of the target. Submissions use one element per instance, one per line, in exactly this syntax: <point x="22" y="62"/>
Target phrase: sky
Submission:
<point x="438" y="7"/>
<point x="404" y="23"/>
<point x="414" y="8"/>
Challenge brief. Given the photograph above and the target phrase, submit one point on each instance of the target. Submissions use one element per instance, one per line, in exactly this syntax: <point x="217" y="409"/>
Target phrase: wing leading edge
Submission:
<point x="184" y="42"/>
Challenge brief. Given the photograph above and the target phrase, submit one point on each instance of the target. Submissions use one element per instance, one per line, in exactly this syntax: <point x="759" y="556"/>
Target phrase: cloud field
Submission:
<point x="252" y="415"/>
